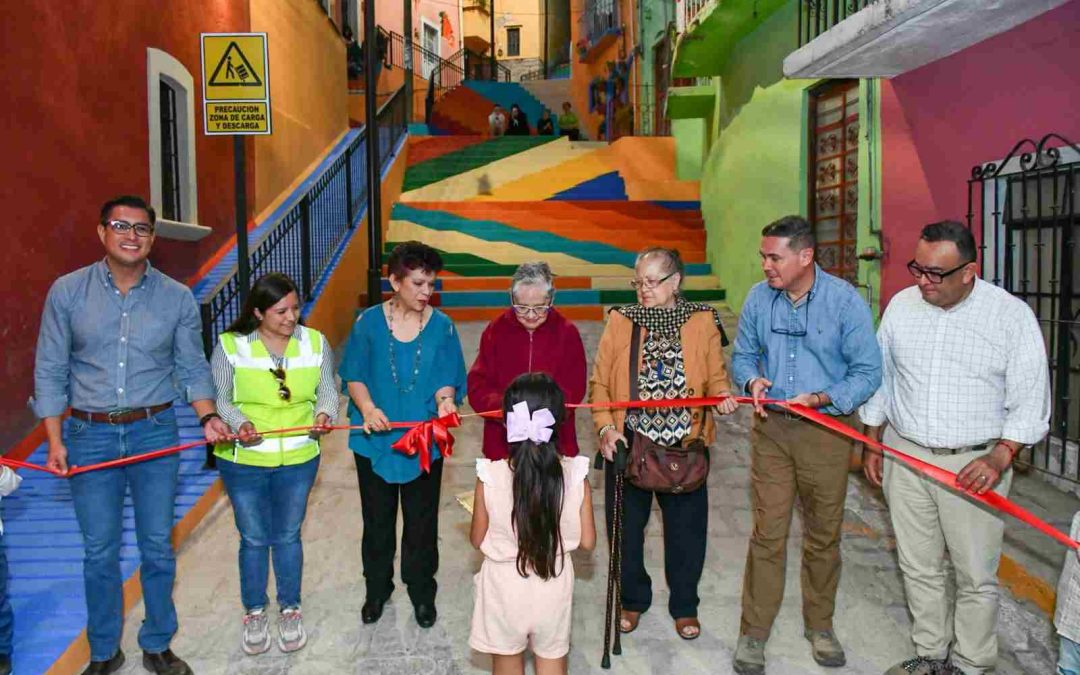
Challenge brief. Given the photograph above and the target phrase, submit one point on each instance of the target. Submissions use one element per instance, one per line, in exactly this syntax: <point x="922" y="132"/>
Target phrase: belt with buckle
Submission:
<point x="953" y="451"/>
<point x="121" y="415"/>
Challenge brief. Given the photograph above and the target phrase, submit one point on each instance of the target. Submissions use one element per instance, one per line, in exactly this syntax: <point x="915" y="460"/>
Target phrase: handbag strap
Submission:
<point x="635" y="350"/>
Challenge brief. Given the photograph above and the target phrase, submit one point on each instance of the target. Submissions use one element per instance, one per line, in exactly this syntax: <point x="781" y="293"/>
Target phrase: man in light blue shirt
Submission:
<point x="807" y="337"/>
<point x="119" y="343"/>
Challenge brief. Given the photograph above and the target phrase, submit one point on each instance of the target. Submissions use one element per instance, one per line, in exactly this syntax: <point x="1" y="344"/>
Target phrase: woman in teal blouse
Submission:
<point x="403" y="363"/>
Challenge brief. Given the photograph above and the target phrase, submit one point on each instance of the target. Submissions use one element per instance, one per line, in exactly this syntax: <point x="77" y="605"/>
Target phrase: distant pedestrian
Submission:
<point x="568" y="123"/>
<point x="497" y="121"/>
<point x="546" y="125"/>
<point x="518" y="123"/>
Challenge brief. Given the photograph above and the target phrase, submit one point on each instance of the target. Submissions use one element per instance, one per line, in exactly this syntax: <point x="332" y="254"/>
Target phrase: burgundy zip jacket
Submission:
<point x="508" y="350"/>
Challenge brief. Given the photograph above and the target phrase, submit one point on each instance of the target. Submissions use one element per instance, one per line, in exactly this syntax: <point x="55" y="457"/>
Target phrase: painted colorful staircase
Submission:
<point x="568" y="204"/>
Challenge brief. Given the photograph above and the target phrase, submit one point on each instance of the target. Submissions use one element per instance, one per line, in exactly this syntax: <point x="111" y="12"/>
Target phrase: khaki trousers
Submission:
<point x="790" y="457"/>
<point x="928" y="520"/>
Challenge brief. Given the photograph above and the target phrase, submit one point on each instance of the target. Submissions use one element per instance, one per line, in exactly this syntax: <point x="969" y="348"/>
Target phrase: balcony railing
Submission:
<point x="690" y="10"/>
<point x="478" y="66"/>
<point x="818" y="16"/>
<point x="303" y="243"/>
<point x="599" y="19"/>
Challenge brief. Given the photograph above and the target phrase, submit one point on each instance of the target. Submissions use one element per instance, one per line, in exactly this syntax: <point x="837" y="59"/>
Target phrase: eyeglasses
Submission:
<point x="932" y="276"/>
<point x="795" y="310"/>
<point x="123" y="227"/>
<point x="283" y="389"/>
<point x="649" y="283"/>
<point x="531" y="310"/>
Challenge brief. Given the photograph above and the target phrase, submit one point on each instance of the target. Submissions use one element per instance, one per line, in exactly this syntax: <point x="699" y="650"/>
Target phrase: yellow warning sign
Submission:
<point x="237" y="117"/>
<point x="236" y="83"/>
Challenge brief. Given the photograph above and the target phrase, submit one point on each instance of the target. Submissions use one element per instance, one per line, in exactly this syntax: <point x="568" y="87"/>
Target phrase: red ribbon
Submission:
<point x="417" y="440"/>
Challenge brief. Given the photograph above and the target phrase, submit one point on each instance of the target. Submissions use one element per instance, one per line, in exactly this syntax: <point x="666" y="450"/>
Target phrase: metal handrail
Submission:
<point x="303" y="243"/>
<point x="447" y="73"/>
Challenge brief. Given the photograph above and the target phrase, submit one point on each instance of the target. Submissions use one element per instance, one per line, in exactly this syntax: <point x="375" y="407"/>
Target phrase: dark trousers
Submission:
<point x="686" y="522"/>
<point x="419" y="539"/>
<point x="7" y="617"/>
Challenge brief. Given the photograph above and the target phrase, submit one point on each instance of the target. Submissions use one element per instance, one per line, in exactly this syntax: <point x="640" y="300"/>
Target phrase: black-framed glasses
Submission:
<point x="932" y="276"/>
<point x="526" y="311"/>
<point x="282" y="389"/>
<point x="649" y="283"/>
<point x="123" y="227"/>
<point x="787" y="331"/>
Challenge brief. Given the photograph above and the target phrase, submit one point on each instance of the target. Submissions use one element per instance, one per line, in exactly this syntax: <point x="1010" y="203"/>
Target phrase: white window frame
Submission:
<point x="429" y="66"/>
<point x="161" y="65"/>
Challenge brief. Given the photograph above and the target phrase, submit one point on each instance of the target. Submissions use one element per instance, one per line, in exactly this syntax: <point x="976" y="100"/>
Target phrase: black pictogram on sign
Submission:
<point x="234" y="70"/>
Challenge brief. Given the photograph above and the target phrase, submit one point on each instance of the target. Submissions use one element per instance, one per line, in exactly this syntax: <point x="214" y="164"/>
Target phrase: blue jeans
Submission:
<point x="269" y="504"/>
<point x="99" y="506"/>
<point x="7" y="618"/>
<point x="1068" y="657"/>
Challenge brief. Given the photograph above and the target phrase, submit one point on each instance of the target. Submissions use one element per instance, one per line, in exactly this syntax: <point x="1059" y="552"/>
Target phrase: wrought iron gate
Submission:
<point x="1025" y="213"/>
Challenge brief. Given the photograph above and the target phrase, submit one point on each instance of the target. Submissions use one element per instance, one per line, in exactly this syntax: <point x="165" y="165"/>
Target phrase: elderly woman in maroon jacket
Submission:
<point x="530" y="336"/>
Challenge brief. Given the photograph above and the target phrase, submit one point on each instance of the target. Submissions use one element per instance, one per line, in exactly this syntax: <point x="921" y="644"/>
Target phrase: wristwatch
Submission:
<point x="207" y="417"/>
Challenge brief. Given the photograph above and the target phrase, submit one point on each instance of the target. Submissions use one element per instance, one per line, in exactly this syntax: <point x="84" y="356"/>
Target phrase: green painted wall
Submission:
<point x="691" y="140"/>
<point x="755" y="165"/>
<point x="652" y="20"/>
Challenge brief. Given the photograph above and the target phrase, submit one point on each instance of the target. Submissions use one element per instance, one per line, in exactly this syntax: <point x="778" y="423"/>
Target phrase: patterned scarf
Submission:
<point x="663" y="370"/>
<point x="668" y="322"/>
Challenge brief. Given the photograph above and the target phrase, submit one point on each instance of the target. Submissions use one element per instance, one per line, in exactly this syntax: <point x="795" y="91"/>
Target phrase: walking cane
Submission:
<point x="614" y="586"/>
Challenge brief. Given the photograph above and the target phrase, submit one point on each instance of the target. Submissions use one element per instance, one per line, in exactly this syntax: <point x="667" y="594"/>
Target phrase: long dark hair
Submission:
<point x="267" y="291"/>
<point x="538" y="479"/>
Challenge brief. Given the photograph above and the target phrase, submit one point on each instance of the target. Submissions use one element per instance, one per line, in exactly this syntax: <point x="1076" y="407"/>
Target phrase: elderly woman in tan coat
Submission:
<point x="679" y="356"/>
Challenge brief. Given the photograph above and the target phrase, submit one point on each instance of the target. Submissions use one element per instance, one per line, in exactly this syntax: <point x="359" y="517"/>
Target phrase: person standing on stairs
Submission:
<point x="568" y="123"/>
<point x="663" y="347"/>
<point x="807" y="337"/>
<point x="546" y="125"/>
<point x="530" y="336"/>
<point x="518" y="124"/>
<point x="120" y="343"/>
<point x="403" y="362"/>
<point x="272" y="373"/>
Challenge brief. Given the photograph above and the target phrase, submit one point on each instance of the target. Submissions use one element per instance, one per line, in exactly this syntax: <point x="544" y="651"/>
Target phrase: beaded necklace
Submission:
<point x="416" y="356"/>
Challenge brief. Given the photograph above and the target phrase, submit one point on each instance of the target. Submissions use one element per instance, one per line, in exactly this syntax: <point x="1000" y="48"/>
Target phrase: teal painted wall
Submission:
<point x="755" y="168"/>
<point x="654" y="16"/>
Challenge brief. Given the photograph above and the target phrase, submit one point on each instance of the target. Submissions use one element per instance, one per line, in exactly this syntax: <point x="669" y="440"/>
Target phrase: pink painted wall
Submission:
<point x="390" y="14"/>
<point x="939" y="121"/>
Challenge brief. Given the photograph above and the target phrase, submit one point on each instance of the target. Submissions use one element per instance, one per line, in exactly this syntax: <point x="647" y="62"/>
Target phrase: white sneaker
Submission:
<point x="291" y="635"/>
<point x="256" y="632"/>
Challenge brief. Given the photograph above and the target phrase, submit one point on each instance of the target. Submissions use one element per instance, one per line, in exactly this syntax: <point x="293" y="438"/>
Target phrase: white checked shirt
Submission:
<point x="964" y="376"/>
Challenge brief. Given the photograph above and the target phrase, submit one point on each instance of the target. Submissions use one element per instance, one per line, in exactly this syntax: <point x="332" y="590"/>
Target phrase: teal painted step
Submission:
<point x="467" y="159"/>
<point x="542" y="242"/>
<point x="568" y="297"/>
<point x="507" y="94"/>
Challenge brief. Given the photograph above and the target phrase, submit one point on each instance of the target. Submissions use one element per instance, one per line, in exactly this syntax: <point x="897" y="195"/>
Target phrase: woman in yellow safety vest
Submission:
<point x="272" y="373"/>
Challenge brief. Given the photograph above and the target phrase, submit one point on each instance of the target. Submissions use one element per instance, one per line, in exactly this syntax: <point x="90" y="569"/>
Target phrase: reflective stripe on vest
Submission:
<point x="256" y="394"/>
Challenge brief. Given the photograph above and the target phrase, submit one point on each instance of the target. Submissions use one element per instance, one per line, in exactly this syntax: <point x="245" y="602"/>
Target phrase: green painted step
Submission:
<point x="467" y="159"/>
<point x="628" y="296"/>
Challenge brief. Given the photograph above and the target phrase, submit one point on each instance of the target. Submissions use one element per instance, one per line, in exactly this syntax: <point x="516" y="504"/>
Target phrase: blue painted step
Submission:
<point x="605" y="187"/>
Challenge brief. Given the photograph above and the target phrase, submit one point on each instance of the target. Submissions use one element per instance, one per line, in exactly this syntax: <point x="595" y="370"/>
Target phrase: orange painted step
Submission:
<point x="573" y="313"/>
<point x="423" y="149"/>
<point x="623" y="232"/>
<point x="598" y="211"/>
<point x="466" y="107"/>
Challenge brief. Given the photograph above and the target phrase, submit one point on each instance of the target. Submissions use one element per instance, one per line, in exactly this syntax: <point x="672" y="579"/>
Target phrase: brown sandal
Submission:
<point x="630" y="619"/>
<point x="683" y="625"/>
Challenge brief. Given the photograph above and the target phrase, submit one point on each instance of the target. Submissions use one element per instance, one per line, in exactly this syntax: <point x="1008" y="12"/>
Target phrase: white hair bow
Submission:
<point x="521" y="426"/>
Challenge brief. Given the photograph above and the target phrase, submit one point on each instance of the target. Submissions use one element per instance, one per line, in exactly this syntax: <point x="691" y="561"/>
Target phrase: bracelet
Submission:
<point x="604" y="429"/>
<point x="443" y="398"/>
<point x="207" y="417"/>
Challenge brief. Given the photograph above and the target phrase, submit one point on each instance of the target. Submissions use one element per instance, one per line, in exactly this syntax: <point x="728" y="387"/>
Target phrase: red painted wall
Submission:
<point x="73" y="128"/>
<point x="939" y="121"/>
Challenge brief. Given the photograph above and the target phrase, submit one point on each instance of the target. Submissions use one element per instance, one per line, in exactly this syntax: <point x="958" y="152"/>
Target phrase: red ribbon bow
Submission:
<point x="418" y="439"/>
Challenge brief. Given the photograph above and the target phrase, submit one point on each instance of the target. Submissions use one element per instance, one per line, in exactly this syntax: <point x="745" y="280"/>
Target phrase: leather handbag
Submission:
<point x="661" y="468"/>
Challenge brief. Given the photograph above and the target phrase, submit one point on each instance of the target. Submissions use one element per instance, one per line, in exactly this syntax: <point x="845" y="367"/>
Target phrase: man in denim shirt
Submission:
<point x="807" y="337"/>
<point x="116" y="337"/>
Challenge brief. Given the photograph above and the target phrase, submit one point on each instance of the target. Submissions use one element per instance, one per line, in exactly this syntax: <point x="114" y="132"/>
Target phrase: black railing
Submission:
<point x="478" y="67"/>
<point x="432" y="67"/>
<point x="599" y="18"/>
<point x="303" y="242"/>
<point x="818" y="16"/>
<point x="537" y="74"/>
<point x="1025" y="212"/>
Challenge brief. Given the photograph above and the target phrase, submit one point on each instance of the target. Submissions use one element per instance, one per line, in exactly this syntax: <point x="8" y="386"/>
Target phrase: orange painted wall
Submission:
<point x="333" y="314"/>
<point x="582" y="74"/>
<point x="308" y="87"/>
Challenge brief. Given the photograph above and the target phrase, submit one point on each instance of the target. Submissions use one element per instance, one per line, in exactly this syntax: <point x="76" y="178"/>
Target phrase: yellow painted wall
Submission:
<point x="526" y="14"/>
<point x="335" y="310"/>
<point x="308" y="89"/>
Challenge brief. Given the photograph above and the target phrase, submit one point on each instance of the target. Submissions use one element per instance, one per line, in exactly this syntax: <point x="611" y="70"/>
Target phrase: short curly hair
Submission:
<point x="411" y="255"/>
